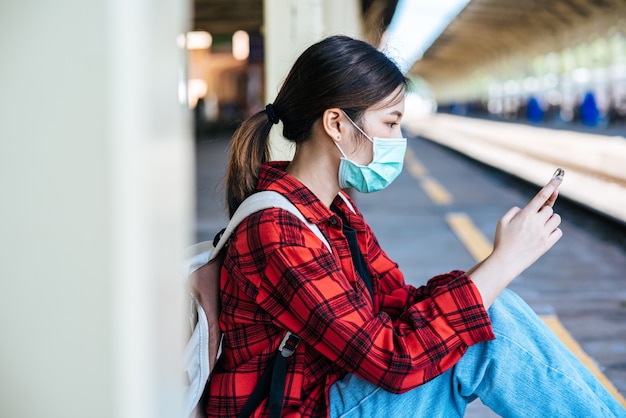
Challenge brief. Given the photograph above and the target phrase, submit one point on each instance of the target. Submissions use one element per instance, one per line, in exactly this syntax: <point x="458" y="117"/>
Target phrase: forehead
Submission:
<point x="391" y="103"/>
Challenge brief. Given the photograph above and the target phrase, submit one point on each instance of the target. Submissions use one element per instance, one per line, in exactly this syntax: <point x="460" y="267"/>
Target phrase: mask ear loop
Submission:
<point x="357" y="126"/>
<point x="340" y="150"/>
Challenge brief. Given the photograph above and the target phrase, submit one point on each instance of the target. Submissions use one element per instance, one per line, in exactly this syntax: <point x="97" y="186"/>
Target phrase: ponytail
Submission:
<point x="249" y="149"/>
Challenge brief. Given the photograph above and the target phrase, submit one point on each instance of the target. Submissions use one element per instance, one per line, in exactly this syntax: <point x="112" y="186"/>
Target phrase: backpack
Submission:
<point x="204" y="345"/>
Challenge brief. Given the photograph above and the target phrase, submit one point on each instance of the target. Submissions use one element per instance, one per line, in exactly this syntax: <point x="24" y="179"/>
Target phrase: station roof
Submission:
<point x="489" y="30"/>
<point x="224" y="17"/>
<point x="483" y="33"/>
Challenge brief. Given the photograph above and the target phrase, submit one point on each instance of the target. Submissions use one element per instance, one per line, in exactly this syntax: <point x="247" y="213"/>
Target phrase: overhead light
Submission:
<point x="415" y="26"/>
<point x="199" y="40"/>
<point x="241" y="45"/>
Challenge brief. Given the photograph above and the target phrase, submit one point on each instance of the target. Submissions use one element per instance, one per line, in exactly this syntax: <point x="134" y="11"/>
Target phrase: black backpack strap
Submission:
<point x="272" y="382"/>
<point x="360" y="265"/>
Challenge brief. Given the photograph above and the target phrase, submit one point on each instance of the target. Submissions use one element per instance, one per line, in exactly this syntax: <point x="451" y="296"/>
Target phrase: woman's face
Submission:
<point x="382" y="121"/>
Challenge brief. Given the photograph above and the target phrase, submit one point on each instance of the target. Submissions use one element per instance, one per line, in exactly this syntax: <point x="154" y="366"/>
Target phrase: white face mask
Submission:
<point x="386" y="165"/>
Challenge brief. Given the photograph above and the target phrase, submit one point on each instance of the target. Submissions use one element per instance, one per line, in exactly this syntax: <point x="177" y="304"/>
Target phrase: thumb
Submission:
<point x="510" y="214"/>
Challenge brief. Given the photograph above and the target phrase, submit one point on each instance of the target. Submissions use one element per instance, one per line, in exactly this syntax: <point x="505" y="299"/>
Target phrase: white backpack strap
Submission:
<point x="277" y="200"/>
<point x="347" y="202"/>
<point x="259" y="201"/>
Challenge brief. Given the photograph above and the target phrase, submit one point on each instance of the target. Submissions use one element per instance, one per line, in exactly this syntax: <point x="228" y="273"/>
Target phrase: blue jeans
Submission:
<point x="525" y="372"/>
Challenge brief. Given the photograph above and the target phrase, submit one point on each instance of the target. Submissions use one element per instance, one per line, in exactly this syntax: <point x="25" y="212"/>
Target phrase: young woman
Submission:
<point x="370" y="344"/>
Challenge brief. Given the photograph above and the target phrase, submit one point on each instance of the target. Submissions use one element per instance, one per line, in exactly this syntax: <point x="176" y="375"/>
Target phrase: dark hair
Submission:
<point x="336" y="72"/>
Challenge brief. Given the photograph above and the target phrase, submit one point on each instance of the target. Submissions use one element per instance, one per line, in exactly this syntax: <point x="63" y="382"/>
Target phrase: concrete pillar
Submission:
<point x="343" y="18"/>
<point x="96" y="174"/>
<point x="290" y="26"/>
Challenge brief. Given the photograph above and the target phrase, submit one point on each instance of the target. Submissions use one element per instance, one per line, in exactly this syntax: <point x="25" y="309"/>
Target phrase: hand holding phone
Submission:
<point x="557" y="178"/>
<point x="522" y="236"/>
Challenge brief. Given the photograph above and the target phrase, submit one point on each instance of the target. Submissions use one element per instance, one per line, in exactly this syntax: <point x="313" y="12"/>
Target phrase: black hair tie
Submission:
<point x="271" y="114"/>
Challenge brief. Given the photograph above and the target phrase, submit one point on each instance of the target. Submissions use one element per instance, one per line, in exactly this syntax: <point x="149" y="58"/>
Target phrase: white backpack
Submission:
<point x="203" y="347"/>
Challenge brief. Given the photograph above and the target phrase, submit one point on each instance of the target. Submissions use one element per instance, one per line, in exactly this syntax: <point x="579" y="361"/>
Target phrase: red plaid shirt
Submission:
<point x="279" y="276"/>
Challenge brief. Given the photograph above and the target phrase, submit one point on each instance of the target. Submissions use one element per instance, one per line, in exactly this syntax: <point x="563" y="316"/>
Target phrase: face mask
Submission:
<point x="386" y="165"/>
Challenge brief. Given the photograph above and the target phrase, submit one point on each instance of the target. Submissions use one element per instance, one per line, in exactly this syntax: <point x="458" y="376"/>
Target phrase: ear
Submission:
<point x="332" y="123"/>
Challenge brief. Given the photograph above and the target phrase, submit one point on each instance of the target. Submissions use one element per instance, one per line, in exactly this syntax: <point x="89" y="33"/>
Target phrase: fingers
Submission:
<point x="546" y="212"/>
<point x="552" y="199"/>
<point x="510" y="214"/>
<point x="553" y="222"/>
<point x="545" y="195"/>
<point x="555" y="235"/>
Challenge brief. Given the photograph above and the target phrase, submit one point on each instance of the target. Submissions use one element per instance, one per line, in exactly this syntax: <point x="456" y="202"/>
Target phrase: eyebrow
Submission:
<point x="396" y="112"/>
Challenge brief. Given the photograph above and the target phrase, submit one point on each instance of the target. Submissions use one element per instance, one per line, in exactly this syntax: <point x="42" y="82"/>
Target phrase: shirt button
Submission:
<point x="333" y="221"/>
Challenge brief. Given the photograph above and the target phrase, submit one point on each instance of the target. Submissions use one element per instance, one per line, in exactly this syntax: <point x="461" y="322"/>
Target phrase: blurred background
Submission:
<point x="107" y="107"/>
<point x="555" y="63"/>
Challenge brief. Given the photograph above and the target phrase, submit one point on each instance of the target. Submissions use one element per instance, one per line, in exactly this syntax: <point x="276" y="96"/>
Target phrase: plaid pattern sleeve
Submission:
<point x="278" y="276"/>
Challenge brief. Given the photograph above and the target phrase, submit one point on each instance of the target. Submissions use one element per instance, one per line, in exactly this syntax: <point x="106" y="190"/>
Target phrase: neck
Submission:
<point x="316" y="168"/>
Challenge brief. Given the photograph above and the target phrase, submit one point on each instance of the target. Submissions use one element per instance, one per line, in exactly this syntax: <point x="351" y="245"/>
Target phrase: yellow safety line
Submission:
<point x="479" y="247"/>
<point x="473" y="239"/>
<point x="415" y="167"/>
<point x="437" y="193"/>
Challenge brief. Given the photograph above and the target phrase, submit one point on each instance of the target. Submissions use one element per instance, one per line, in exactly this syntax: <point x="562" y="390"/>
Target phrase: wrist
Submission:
<point x="491" y="276"/>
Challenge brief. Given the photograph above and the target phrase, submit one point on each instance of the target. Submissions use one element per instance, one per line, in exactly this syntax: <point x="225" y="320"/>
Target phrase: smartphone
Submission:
<point x="559" y="172"/>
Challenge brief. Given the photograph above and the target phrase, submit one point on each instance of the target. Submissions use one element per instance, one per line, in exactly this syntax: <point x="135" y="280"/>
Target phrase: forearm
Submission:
<point x="490" y="278"/>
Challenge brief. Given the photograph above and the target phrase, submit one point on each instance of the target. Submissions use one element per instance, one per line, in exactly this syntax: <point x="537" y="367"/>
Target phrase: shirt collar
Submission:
<point x="272" y="176"/>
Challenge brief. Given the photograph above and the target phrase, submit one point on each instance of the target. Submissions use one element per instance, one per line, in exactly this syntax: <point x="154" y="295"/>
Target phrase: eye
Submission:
<point x="392" y="124"/>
